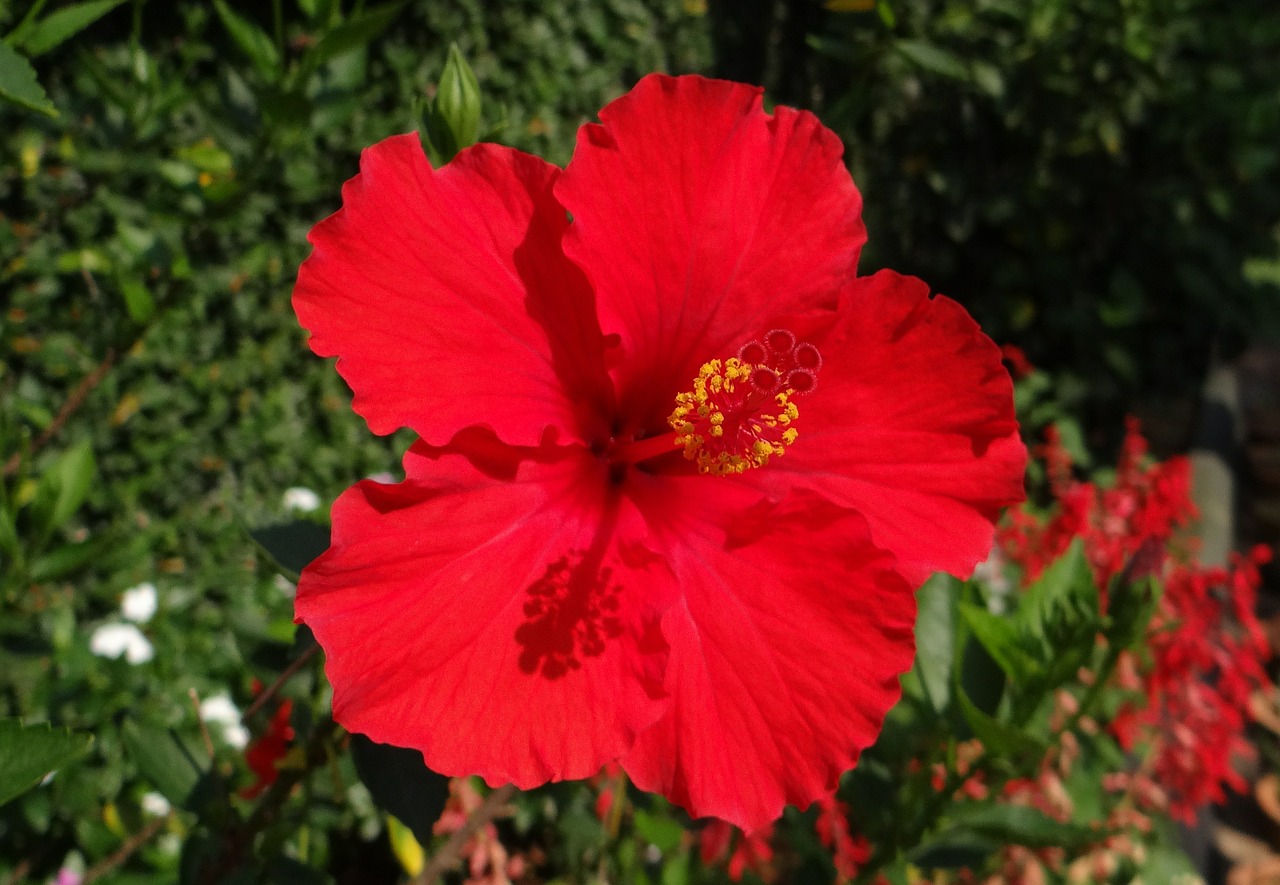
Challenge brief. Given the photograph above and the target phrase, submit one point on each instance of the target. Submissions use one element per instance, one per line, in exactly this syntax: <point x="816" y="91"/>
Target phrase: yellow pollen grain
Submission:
<point x="699" y="420"/>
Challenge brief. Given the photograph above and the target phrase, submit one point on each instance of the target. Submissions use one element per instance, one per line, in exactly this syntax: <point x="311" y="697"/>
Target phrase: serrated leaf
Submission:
<point x="28" y="753"/>
<point x="252" y="40"/>
<point x="57" y="27"/>
<point x="292" y="545"/>
<point x="999" y="737"/>
<point x="1061" y="613"/>
<point x="401" y="784"/>
<point x="1060" y="580"/>
<point x="1000" y="637"/>
<point x="935" y="638"/>
<point x="19" y="85"/>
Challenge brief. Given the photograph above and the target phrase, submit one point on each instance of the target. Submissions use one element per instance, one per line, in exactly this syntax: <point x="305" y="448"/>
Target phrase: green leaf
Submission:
<point x="1166" y="863"/>
<point x="885" y="10"/>
<point x="28" y="753"/>
<point x="163" y="760"/>
<point x="1065" y="577"/>
<point x="8" y="532"/>
<point x="137" y="299"/>
<point x="935" y="638"/>
<point x="1131" y="607"/>
<point x="931" y="58"/>
<point x="1000" y="637"/>
<point x="954" y="850"/>
<point x="401" y="784"/>
<point x="999" y="737"/>
<point x="18" y="83"/>
<point x="354" y="33"/>
<point x="979" y="676"/>
<point x="65" y="559"/>
<point x="60" y="26"/>
<point x="658" y="829"/>
<point x="988" y="78"/>
<point x="292" y="545"/>
<point x="64" y="486"/>
<point x="1020" y="825"/>
<point x="252" y="40"/>
<point x="1060" y="613"/>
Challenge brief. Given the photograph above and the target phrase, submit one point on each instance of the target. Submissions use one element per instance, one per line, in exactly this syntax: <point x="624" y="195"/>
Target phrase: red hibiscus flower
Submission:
<point x="679" y="468"/>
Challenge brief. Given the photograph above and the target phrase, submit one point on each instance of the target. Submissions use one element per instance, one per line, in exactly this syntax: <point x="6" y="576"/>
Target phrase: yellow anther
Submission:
<point x="726" y="425"/>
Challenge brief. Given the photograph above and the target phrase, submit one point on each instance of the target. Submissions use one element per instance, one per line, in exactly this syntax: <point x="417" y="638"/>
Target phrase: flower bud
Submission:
<point x="453" y="120"/>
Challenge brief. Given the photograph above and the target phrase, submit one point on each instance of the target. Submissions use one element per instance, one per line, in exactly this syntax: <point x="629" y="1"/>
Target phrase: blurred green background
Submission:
<point x="1098" y="181"/>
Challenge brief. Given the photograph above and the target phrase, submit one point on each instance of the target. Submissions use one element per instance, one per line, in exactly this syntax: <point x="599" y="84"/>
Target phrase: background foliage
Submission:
<point x="1089" y="178"/>
<point x="1095" y="180"/>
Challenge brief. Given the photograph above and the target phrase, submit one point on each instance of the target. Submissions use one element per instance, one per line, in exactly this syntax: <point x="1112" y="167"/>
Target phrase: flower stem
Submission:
<point x="271" y="690"/>
<point x="614" y="822"/>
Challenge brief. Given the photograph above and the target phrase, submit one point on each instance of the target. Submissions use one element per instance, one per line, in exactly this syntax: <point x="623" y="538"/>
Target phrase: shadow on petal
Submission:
<point x="571" y="613"/>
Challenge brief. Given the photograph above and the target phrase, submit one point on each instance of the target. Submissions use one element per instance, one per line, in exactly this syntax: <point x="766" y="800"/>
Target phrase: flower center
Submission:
<point x="740" y="412"/>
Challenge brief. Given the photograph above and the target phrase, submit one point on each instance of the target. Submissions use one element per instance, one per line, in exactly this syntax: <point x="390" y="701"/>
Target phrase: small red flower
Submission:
<point x="1205" y="649"/>
<point x="680" y="468"/>
<point x="264" y="754"/>
<point x="848" y="852"/>
<point x="1017" y="360"/>
<point x="752" y="852"/>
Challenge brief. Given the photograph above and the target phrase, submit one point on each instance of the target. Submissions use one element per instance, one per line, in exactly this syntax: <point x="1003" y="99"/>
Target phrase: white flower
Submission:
<point x="220" y="710"/>
<point x="300" y="499"/>
<point x="139" y="603"/>
<point x="114" y="640"/>
<point x="155" y="805"/>
<point x="285" y="586"/>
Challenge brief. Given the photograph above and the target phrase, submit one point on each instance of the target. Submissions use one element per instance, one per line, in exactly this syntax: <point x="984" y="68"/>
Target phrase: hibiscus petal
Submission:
<point x="497" y="625"/>
<point x="447" y="300"/>
<point x="912" y="425"/>
<point x="695" y="215"/>
<point x="785" y="650"/>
